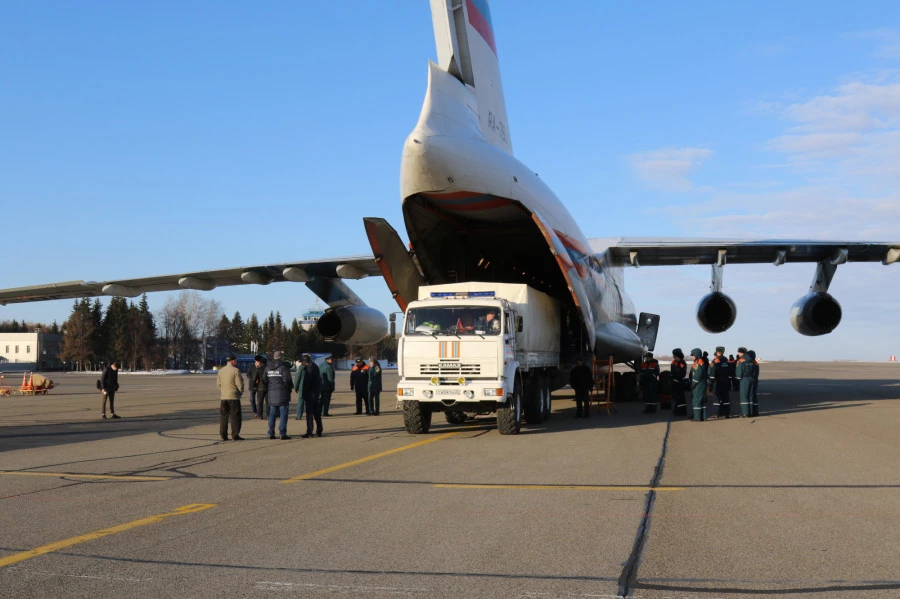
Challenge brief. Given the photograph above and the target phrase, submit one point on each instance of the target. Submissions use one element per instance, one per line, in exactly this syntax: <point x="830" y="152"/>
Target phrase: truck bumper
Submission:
<point x="474" y="396"/>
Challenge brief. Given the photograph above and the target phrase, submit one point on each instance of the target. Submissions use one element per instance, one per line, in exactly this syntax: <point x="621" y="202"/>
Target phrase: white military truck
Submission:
<point x="478" y="348"/>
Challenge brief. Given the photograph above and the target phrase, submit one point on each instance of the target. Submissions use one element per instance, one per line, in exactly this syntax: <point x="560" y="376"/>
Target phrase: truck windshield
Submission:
<point x="453" y="320"/>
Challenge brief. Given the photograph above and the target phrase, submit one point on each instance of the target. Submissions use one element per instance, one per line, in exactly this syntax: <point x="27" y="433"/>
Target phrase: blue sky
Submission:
<point x="151" y="138"/>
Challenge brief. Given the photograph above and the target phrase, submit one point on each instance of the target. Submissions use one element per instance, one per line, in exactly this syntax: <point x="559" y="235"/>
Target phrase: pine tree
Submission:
<point x="237" y="335"/>
<point x="98" y="341"/>
<point x="114" y="331"/>
<point x="147" y="350"/>
<point x="253" y="333"/>
<point x="78" y="335"/>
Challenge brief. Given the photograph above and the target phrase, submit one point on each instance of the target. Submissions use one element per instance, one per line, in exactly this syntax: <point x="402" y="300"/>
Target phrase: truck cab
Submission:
<point x="466" y="350"/>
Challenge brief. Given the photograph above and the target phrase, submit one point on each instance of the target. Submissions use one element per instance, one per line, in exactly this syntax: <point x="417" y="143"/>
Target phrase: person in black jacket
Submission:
<point x="582" y="381"/>
<point x="279" y="386"/>
<point x="720" y="373"/>
<point x="258" y="386"/>
<point x="359" y="380"/>
<point x="109" y="384"/>
<point x="679" y="373"/>
<point x="374" y="384"/>
<point x="308" y="384"/>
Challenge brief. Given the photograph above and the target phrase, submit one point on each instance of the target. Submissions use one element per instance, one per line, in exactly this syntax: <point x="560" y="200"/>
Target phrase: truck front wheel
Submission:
<point x="509" y="417"/>
<point x="416" y="418"/>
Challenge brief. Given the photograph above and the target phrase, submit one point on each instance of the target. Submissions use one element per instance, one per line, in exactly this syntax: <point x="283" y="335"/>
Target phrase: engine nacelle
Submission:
<point x="815" y="314"/>
<point x="716" y="312"/>
<point x="358" y="325"/>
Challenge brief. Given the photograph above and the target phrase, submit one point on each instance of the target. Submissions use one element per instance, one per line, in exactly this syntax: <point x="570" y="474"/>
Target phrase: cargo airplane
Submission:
<point x="473" y="212"/>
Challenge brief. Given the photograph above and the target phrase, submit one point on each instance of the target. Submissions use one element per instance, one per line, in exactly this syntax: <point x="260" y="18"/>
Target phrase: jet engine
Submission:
<point x="716" y="312"/>
<point x="359" y="325"/>
<point x="815" y="314"/>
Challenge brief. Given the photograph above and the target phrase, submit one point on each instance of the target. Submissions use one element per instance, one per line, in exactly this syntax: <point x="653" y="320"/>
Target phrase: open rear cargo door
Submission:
<point x="399" y="269"/>
<point x="648" y="328"/>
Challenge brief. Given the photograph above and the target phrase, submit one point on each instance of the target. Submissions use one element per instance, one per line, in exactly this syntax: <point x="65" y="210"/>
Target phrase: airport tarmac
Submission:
<point x="800" y="502"/>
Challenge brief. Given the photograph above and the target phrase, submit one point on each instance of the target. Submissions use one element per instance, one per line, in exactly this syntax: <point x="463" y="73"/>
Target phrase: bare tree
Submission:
<point x="187" y="322"/>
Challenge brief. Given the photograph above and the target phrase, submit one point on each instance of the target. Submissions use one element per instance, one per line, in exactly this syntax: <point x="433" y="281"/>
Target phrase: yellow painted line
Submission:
<point x="88" y="476"/>
<point x="367" y="458"/>
<point x="555" y="487"/>
<point x="43" y="549"/>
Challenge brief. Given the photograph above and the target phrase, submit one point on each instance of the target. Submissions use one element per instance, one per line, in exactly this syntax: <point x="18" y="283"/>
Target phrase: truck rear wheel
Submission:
<point x="534" y="410"/>
<point x="416" y="418"/>
<point x="455" y="416"/>
<point x="509" y="417"/>
<point x="545" y="397"/>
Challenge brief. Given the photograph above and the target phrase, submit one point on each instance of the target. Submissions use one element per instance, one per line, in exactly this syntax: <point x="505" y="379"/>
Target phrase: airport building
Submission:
<point x="310" y="318"/>
<point x="30" y="351"/>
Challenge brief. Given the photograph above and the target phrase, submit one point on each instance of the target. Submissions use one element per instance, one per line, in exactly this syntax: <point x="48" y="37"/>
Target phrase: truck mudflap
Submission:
<point x="400" y="271"/>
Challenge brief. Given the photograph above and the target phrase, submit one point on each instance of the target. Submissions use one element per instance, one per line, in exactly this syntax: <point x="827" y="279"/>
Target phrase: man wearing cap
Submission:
<point x="650" y="383"/>
<point x="359" y="380"/>
<point x="231" y="387"/>
<point x="307" y="383"/>
<point x="679" y="372"/>
<point x="742" y="374"/>
<point x="721" y="375"/>
<point x="279" y="387"/>
<point x="327" y="370"/>
<point x="699" y="378"/>
<point x="257" y="386"/>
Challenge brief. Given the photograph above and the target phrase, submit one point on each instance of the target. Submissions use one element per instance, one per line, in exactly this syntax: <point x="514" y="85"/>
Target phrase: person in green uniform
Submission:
<point x="650" y="383"/>
<point x="699" y="379"/>
<point x="745" y="381"/>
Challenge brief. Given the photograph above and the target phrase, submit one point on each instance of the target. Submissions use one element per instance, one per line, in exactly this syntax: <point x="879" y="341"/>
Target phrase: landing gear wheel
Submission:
<point x="455" y="416"/>
<point x="509" y="417"/>
<point x="416" y="418"/>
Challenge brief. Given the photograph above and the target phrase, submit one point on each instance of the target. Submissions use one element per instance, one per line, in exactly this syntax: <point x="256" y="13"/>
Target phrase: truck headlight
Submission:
<point x="406" y="392"/>
<point x="428" y="393"/>
<point x="493" y="392"/>
<point x="435" y="380"/>
<point x="469" y="394"/>
<point x="461" y="380"/>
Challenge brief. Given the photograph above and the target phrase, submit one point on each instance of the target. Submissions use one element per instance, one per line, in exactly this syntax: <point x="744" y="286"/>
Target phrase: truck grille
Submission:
<point x="449" y="369"/>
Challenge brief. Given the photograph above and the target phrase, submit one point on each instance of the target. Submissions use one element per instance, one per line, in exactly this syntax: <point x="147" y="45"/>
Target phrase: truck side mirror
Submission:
<point x="520" y="324"/>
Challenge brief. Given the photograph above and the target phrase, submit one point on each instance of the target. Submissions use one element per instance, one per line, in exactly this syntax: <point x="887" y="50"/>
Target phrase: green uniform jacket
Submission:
<point x="743" y="374"/>
<point x="375" y="379"/>
<point x="699" y="378"/>
<point x="327" y="371"/>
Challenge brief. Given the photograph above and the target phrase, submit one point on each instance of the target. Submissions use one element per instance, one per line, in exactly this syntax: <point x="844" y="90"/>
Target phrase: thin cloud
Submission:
<point x="888" y="41"/>
<point x="668" y="169"/>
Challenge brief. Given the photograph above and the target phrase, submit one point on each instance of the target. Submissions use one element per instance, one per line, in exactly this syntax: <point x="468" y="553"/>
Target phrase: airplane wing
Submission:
<point x="645" y="251"/>
<point x="816" y="313"/>
<point x="315" y="274"/>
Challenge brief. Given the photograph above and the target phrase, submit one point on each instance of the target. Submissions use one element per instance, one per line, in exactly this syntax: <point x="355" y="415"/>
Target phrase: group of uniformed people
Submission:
<point x="720" y="376"/>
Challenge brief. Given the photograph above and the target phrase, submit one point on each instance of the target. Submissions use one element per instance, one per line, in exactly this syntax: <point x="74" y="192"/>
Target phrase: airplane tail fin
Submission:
<point x="467" y="50"/>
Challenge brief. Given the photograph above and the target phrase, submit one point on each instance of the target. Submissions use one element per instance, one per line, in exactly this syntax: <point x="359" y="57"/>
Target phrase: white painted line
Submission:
<point x="267" y="585"/>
